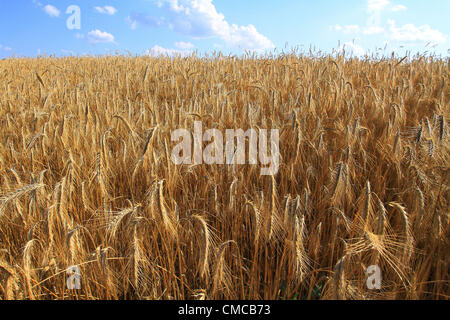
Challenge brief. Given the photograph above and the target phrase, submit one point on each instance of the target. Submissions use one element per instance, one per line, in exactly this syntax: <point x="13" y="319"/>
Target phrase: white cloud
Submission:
<point x="374" y="9"/>
<point x="97" y="36"/>
<point x="79" y="36"/>
<point x="353" y="48"/>
<point x="377" y="5"/>
<point x="51" y="11"/>
<point x="67" y="52"/>
<point x="2" y="47"/>
<point x="106" y="10"/>
<point x="411" y="33"/>
<point x="158" y="51"/>
<point x="136" y="18"/>
<point x="373" y="23"/>
<point x="406" y="33"/>
<point x="200" y="19"/>
<point x="247" y="37"/>
<point x="371" y="30"/>
<point x="132" y="23"/>
<point x="348" y="29"/>
<point x="184" y="45"/>
<point x="398" y="7"/>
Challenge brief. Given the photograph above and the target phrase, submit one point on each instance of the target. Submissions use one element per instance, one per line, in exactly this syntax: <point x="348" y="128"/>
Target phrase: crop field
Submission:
<point x="92" y="205"/>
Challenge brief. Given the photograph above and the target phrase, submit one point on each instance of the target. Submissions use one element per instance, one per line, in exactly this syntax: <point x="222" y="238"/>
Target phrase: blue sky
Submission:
<point x="32" y="27"/>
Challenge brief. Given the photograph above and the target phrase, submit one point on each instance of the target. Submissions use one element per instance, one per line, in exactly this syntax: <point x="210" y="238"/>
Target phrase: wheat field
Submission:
<point x="87" y="181"/>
